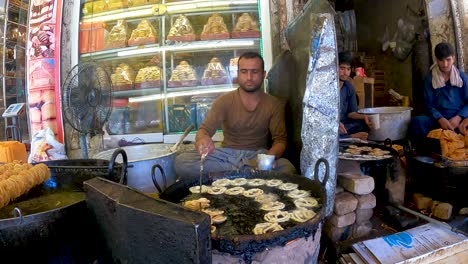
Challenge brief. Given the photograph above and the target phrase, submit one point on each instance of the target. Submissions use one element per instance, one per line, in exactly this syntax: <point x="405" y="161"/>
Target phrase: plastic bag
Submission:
<point x="404" y="39"/>
<point x="45" y="147"/>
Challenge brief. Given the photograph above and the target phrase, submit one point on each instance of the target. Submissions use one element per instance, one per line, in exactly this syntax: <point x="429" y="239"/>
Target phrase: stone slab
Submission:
<point x="443" y="211"/>
<point x="366" y="201"/>
<point x="355" y="183"/>
<point x="343" y="220"/>
<point x="345" y="203"/>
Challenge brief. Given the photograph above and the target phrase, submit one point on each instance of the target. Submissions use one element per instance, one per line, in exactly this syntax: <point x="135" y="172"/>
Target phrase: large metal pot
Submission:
<point x="141" y="159"/>
<point x="392" y="122"/>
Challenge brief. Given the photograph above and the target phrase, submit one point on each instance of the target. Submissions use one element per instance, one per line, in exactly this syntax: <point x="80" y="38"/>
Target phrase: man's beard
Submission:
<point x="253" y="90"/>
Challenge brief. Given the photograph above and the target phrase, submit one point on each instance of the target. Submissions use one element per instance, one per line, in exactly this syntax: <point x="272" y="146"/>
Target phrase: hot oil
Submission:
<point x="244" y="213"/>
<point x="57" y="192"/>
<point x="43" y="203"/>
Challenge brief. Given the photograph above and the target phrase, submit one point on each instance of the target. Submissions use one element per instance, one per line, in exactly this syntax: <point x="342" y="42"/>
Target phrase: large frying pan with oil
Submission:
<point x="245" y="244"/>
<point x="50" y="221"/>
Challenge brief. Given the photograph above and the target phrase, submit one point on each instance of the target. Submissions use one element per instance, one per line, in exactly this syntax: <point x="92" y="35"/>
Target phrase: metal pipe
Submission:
<point x="431" y="220"/>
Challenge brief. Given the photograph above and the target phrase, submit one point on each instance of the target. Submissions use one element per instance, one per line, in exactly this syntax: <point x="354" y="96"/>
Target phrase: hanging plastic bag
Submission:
<point x="45" y="147"/>
<point x="404" y="39"/>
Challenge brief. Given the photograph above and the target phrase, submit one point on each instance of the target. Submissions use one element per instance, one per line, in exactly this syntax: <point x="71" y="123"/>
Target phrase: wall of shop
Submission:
<point x="378" y="19"/>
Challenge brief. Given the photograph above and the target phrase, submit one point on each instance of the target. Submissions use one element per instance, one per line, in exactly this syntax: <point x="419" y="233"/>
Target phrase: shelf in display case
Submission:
<point x="137" y="92"/>
<point x="203" y="45"/>
<point x="173" y="8"/>
<point x="185" y="91"/>
<point x="112" y="53"/>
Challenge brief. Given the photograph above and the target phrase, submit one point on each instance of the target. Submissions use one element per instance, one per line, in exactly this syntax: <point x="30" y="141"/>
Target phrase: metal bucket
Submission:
<point x="141" y="159"/>
<point x="393" y="122"/>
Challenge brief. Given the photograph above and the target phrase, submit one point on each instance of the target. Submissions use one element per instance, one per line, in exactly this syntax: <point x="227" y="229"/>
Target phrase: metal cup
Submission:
<point x="265" y="161"/>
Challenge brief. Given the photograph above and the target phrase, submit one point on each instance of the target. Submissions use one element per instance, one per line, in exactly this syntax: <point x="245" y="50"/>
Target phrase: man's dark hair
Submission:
<point x="345" y="57"/>
<point x="443" y="50"/>
<point x="251" y="55"/>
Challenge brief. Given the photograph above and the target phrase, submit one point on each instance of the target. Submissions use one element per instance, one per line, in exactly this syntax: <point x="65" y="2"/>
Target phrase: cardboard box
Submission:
<point x="364" y="87"/>
<point x="92" y="37"/>
<point x="423" y="244"/>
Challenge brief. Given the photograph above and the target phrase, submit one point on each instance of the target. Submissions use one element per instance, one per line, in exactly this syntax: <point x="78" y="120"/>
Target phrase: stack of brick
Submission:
<point x="353" y="208"/>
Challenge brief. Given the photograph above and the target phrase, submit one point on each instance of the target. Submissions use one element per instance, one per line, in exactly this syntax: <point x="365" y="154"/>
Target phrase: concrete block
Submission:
<point x="362" y="229"/>
<point x="422" y="203"/>
<point x="345" y="203"/>
<point x="443" y="211"/>
<point x="463" y="211"/>
<point x="355" y="183"/>
<point x="337" y="233"/>
<point x="343" y="220"/>
<point x="366" y="201"/>
<point x="363" y="215"/>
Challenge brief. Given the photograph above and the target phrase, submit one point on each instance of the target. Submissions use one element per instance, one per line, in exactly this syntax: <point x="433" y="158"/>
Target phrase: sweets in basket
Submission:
<point x="246" y="27"/>
<point x="117" y="37"/>
<point x="214" y="73"/>
<point x="182" y="30"/>
<point x="183" y="75"/>
<point x="454" y="146"/>
<point x="143" y="34"/>
<point x="148" y="77"/>
<point x="123" y="78"/>
<point x="215" y="28"/>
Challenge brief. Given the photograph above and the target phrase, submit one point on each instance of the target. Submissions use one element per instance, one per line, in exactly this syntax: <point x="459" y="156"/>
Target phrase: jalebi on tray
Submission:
<point x="18" y="178"/>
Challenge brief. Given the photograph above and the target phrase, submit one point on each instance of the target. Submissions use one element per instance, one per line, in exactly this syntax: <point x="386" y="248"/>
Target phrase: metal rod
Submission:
<point x="431" y="220"/>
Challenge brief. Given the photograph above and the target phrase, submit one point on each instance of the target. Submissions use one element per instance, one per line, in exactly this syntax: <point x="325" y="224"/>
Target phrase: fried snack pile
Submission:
<point x="151" y="73"/>
<point x="18" y="178"/>
<point x="123" y="75"/>
<point x="454" y="146"/>
<point x="215" y="25"/>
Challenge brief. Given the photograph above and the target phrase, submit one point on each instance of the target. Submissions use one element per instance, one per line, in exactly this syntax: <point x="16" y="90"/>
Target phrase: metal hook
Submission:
<point x="18" y="214"/>
<point x="155" y="181"/>
<point x="327" y="171"/>
<point x="123" y="174"/>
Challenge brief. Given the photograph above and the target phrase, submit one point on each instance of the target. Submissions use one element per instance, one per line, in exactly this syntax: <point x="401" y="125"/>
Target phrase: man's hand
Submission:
<point x="366" y="120"/>
<point x="445" y="124"/>
<point x="455" y="121"/>
<point x="204" y="146"/>
<point x="342" y="129"/>
<point x="463" y="127"/>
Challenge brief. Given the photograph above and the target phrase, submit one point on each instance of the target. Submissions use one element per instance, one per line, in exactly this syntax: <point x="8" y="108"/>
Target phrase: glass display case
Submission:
<point x="167" y="60"/>
<point x="13" y="21"/>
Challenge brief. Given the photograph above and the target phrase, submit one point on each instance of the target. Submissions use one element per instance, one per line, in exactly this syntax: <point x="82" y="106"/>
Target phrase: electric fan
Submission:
<point x="87" y="100"/>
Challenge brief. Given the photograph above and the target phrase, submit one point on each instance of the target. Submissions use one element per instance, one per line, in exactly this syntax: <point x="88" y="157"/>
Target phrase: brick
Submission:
<point x="366" y="201"/>
<point x="339" y="189"/>
<point x="337" y="233"/>
<point x="463" y="211"/>
<point x="343" y="220"/>
<point x="362" y="229"/>
<point x="443" y="211"/>
<point x="358" y="184"/>
<point x="422" y="203"/>
<point x="345" y="203"/>
<point x="363" y="215"/>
